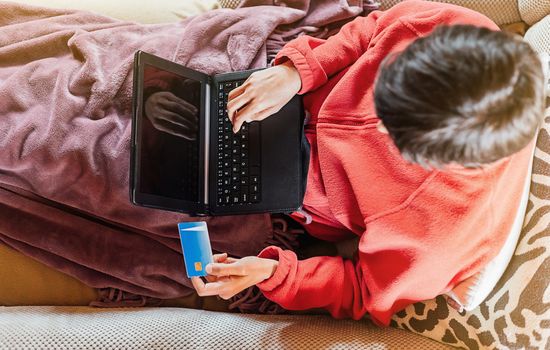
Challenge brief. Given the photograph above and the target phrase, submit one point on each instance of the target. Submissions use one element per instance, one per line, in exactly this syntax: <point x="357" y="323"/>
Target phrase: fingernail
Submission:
<point x="208" y="268"/>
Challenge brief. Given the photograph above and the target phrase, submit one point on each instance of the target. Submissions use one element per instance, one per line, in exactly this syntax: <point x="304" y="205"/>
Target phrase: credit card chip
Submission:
<point x="198" y="266"/>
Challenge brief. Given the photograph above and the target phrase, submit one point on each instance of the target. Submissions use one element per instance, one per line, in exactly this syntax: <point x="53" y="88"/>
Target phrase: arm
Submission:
<point x="332" y="283"/>
<point x="302" y="65"/>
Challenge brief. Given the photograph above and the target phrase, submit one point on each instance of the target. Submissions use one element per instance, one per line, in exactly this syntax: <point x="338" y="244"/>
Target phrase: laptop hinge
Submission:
<point x="206" y="143"/>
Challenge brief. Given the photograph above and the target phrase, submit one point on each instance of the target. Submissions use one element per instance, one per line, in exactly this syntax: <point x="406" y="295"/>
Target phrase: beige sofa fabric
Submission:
<point x="229" y="3"/>
<point x="539" y="35"/>
<point x="141" y="11"/>
<point x="500" y="11"/>
<point x="172" y="328"/>
<point x="533" y="11"/>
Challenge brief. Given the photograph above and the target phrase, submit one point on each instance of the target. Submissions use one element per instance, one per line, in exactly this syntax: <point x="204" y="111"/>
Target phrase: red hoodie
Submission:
<point x="421" y="231"/>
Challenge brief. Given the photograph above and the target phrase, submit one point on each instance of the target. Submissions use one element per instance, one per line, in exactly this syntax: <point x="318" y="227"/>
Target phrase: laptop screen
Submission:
<point x="170" y="147"/>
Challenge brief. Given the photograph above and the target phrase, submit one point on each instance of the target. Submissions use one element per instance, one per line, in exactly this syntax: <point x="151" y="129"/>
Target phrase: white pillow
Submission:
<point x="140" y="11"/>
<point x="471" y="292"/>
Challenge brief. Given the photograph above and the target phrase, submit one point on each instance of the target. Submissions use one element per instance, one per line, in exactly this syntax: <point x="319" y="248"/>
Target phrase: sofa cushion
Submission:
<point x="532" y="11"/>
<point x="539" y="35"/>
<point x="229" y="3"/>
<point x="500" y="11"/>
<point x="136" y="11"/>
<point x="516" y="315"/>
<point x="173" y="328"/>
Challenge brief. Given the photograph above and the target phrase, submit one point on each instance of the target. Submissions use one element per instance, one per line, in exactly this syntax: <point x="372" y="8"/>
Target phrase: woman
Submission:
<point x="420" y="141"/>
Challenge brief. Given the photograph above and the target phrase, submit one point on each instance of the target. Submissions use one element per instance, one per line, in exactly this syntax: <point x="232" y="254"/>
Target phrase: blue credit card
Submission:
<point x="195" y="244"/>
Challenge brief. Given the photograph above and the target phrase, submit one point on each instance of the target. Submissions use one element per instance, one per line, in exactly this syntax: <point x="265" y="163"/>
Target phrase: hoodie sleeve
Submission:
<point x="317" y="59"/>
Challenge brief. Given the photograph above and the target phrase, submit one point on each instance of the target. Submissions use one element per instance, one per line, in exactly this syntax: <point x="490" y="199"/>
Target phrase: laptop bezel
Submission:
<point x="154" y="201"/>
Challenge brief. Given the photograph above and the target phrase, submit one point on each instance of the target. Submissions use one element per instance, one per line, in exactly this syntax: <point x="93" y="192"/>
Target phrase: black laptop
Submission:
<point x="186" y="158"/>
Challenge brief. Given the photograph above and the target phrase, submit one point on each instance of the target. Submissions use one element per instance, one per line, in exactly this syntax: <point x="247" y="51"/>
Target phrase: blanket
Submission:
<point x="65" y="125"/>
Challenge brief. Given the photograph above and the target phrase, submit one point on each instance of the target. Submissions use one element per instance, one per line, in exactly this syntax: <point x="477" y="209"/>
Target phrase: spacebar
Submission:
<point x="254" y="144"/>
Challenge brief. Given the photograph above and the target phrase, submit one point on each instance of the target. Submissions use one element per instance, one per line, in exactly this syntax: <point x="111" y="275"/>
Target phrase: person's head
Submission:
<point x="463" y="95"/>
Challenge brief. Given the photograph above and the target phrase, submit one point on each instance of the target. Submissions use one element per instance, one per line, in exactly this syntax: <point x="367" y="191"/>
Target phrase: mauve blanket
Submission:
<point x="65" y="91"/>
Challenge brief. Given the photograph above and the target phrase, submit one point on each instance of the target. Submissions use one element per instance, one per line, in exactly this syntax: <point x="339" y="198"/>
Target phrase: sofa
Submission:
<point x="43" y="308"/>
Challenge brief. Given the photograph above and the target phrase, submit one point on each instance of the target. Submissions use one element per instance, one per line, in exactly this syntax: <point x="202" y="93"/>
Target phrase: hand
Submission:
<point x="171" y="114"/>
<point x="264" y="93"/>
<point x="229" y="276"/>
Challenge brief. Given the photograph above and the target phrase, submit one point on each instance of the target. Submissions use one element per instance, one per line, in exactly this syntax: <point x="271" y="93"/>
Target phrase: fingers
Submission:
<point x="218" y="258"/>
<point x="230" y="269"/>
<point x="234" y="105"/>
<point x="226" y="287"/>
<point x="207" y="289"/>
<point x="223" y="258"/>
<point x="235" y="92"/>
<point x="249" y="114"/>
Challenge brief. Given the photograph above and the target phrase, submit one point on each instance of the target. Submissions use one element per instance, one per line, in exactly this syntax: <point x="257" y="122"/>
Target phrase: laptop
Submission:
<point x="186" y="158"/>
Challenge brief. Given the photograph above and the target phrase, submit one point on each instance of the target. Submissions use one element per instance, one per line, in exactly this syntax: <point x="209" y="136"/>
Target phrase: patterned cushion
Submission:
<point x="500" y="11"/>
<point x="533" y="10"/>
<point x="516" y="315"/>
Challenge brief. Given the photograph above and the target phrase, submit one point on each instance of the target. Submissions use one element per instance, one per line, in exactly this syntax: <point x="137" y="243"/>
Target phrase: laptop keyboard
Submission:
<point x="238" y="168"/>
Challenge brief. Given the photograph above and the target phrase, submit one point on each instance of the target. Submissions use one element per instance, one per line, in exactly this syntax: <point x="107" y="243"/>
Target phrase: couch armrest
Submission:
<point x="500" y="11"/>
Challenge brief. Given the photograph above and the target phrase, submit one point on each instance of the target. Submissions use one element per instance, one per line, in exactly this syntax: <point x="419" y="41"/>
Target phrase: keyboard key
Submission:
<point x="255" y="170"/>
<point x="244" y="181"/>
<point x="254" y="189"/>
<point x="254" y="198"/>
<point x="254" y="179"/>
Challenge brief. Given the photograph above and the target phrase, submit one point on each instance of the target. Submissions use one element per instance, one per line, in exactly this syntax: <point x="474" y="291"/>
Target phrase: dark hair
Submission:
<point x="463" y="94"/>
